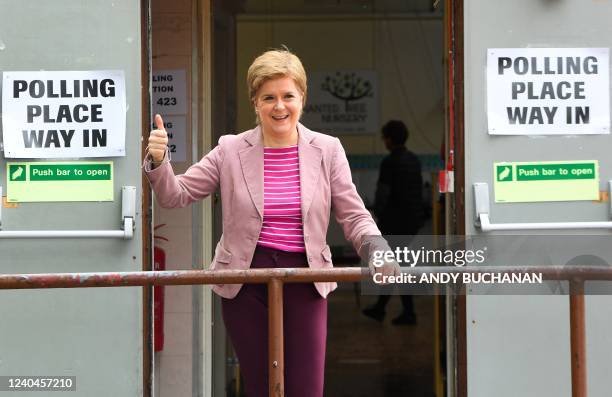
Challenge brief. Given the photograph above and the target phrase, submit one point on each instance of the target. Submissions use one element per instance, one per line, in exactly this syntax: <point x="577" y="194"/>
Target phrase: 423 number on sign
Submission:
<point x="166" y="101"/>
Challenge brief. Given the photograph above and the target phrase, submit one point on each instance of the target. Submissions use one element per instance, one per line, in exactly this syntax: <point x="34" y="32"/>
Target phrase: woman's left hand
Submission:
<point x="387" y="268"/>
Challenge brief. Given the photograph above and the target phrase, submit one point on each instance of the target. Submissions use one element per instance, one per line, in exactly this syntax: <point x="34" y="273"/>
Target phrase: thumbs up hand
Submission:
<point x="158" y="140"/>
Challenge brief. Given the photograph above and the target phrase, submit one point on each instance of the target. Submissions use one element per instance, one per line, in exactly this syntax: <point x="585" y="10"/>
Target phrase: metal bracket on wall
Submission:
<point x="482" y="220"/>
<point x="128" y="213"/>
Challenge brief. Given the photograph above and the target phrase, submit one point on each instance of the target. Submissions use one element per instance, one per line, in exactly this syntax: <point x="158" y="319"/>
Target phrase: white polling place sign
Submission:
<point x="169" y="91"/>
<point x="62" y="114"/>
<point x="170" y="100"/>
<point x="548" y="91"/>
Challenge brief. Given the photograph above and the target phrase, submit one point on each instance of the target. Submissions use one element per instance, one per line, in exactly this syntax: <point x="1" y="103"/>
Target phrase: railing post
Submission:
<point x="578" y="338"/>
<point x="276" y="365"/>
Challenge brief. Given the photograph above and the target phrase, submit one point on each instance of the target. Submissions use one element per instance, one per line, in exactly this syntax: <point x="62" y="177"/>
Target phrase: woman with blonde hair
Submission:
<point x="278" y="183"/>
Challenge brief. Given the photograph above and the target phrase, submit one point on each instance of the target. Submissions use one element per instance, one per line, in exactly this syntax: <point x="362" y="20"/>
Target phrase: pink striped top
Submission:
<point x="282" y="223"/>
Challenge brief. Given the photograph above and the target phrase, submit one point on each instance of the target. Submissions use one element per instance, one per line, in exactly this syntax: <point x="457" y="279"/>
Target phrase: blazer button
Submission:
<point x="310" y="259"/>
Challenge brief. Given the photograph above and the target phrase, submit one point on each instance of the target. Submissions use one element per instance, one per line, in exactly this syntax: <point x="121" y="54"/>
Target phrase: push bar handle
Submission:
<point x="483" y="221"/>
<point x="128" y="214"/>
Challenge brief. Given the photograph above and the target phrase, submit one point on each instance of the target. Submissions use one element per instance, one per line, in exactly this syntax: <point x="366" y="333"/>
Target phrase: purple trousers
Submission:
<point x="305" y="330"/>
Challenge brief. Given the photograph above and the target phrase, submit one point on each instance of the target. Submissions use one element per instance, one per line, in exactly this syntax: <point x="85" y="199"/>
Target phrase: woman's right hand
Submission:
<point x="158" y="140"/>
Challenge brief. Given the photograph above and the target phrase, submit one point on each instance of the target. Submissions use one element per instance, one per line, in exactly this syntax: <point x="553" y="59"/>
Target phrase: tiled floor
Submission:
<point x="370" y="359"/>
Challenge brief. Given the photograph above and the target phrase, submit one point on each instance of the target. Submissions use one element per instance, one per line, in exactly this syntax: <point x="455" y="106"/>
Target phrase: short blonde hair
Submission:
<point x="273" y="64"/>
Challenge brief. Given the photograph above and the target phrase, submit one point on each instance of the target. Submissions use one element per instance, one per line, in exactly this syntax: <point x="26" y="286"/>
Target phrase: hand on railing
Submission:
<point x="385" y="267"/>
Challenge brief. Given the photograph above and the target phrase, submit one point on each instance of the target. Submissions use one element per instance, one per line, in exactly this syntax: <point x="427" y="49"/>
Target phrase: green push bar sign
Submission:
<point x="546" y="181"/>
<point x="59" y="181"/>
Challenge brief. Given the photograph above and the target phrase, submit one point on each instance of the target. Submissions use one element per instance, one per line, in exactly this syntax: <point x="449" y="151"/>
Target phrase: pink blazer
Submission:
<point x="235" y="167"/>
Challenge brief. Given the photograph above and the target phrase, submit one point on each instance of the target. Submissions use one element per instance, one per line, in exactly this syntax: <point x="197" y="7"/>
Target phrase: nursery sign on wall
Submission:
<point x="342" y="102"/>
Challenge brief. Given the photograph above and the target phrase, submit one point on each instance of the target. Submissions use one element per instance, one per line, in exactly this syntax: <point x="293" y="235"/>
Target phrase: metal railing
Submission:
<point x="275" y="278"/>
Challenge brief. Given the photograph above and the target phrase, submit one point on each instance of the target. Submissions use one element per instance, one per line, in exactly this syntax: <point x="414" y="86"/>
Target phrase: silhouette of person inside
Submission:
<point x="398" y="207"/>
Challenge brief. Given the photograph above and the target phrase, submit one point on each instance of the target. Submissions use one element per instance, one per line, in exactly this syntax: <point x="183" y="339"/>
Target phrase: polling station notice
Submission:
<point x="64" y="114"/>
<point x="548" y="91"/>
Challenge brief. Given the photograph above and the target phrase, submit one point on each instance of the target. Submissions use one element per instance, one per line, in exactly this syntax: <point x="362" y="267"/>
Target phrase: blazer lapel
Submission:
<point x="310" y="157"/>
<point x="252" y="162"/>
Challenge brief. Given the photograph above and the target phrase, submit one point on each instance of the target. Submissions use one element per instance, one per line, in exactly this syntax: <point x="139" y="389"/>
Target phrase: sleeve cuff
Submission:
<point x="147" y="162"/>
